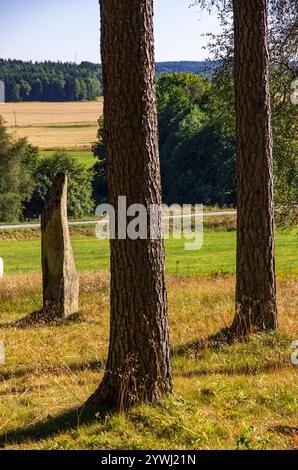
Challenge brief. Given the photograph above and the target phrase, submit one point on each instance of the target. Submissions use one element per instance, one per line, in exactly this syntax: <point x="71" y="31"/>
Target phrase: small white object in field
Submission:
<point x="1" y="267"/>
<point x="2" y="92"/>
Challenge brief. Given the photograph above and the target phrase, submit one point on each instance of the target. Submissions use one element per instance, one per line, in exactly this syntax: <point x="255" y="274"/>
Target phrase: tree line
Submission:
<point x="57" y="81"/>
<point x="49" y="81"/>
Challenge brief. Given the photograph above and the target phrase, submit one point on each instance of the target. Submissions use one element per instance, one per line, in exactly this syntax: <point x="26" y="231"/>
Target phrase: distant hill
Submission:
<point x="57" y="81"/>
<point x="205" y="68"/>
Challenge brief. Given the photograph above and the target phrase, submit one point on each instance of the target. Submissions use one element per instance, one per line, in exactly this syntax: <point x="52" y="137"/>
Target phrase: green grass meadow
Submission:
<point x="84" y="157"/>
<point x="217" y="255"/>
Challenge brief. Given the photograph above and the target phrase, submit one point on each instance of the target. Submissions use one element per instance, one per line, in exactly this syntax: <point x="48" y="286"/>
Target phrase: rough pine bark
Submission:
<point x="256" y="308"/>
<point x="138" y="366"/>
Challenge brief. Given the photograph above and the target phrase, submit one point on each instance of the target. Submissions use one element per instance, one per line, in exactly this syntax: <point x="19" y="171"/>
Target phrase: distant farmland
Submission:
<point x="51" y="126"/>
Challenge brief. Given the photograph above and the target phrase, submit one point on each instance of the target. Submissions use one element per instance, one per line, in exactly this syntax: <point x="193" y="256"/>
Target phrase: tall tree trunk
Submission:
<point x="256" y="308"/>
<point x="138" y="366"/>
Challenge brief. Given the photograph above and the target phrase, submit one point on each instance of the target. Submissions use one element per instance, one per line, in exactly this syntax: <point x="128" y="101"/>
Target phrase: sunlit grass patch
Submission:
<point x="242" y="395"/>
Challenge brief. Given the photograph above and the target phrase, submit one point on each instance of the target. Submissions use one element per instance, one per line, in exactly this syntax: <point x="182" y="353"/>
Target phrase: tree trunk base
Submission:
<point x="40" y="319"/>
<point x="116" y="394"/>
<point x="254" y="317"/>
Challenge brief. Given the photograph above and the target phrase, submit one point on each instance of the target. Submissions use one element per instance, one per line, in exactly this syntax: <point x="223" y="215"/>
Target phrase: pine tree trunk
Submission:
<point x="256" y="308"/>
<point x="138" y="366"/>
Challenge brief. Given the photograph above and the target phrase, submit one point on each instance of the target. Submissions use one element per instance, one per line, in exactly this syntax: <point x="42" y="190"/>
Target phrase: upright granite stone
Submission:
<point x="60" y="279"/>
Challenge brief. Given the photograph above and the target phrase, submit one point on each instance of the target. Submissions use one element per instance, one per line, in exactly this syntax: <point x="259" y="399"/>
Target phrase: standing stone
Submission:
<point x="60" y="279"/>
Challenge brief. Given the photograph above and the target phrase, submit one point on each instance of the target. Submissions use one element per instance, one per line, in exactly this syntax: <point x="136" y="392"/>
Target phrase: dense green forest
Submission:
<point x="57" y="81"/>
<point x="49" y="81"/>
<point x="197" y="156"/>
<point x="196" y="120"/>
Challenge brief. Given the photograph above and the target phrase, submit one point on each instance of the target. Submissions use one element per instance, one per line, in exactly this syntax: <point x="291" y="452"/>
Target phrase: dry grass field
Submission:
<point x="226" y="396"/>
<point x="51" y="126"/>
<point x="231" y="396"/>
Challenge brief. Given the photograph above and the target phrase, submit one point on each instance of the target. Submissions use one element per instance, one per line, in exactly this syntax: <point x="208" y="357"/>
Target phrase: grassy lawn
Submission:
<point x="240" y="396"/>
<point x="84" y="156"/>
<point x="232" y="396"/>
<point x="216" y="256"/>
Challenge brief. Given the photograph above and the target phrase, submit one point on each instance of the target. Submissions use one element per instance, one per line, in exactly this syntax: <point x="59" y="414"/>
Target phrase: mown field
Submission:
<point x="21" y="254"/>
<point x="72" y="126"/>
<point x="85" y="157"/>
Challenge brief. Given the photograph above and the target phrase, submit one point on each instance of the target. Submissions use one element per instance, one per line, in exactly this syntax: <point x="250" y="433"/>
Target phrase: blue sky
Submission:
<point x="65" y="29"/>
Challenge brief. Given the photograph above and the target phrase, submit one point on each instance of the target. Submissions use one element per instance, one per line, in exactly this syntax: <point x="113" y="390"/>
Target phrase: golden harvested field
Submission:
<point x="52" y="126"/>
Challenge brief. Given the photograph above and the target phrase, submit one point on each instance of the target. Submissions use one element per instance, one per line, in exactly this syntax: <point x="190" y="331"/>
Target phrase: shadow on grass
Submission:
<point x="246" y="369"/>
<point x="291" y="431"/>
<point x="41" y="319"/>
<point x="52" y="426"/>
<point x="94" y="366"/>
<point x="215" y="342"/>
